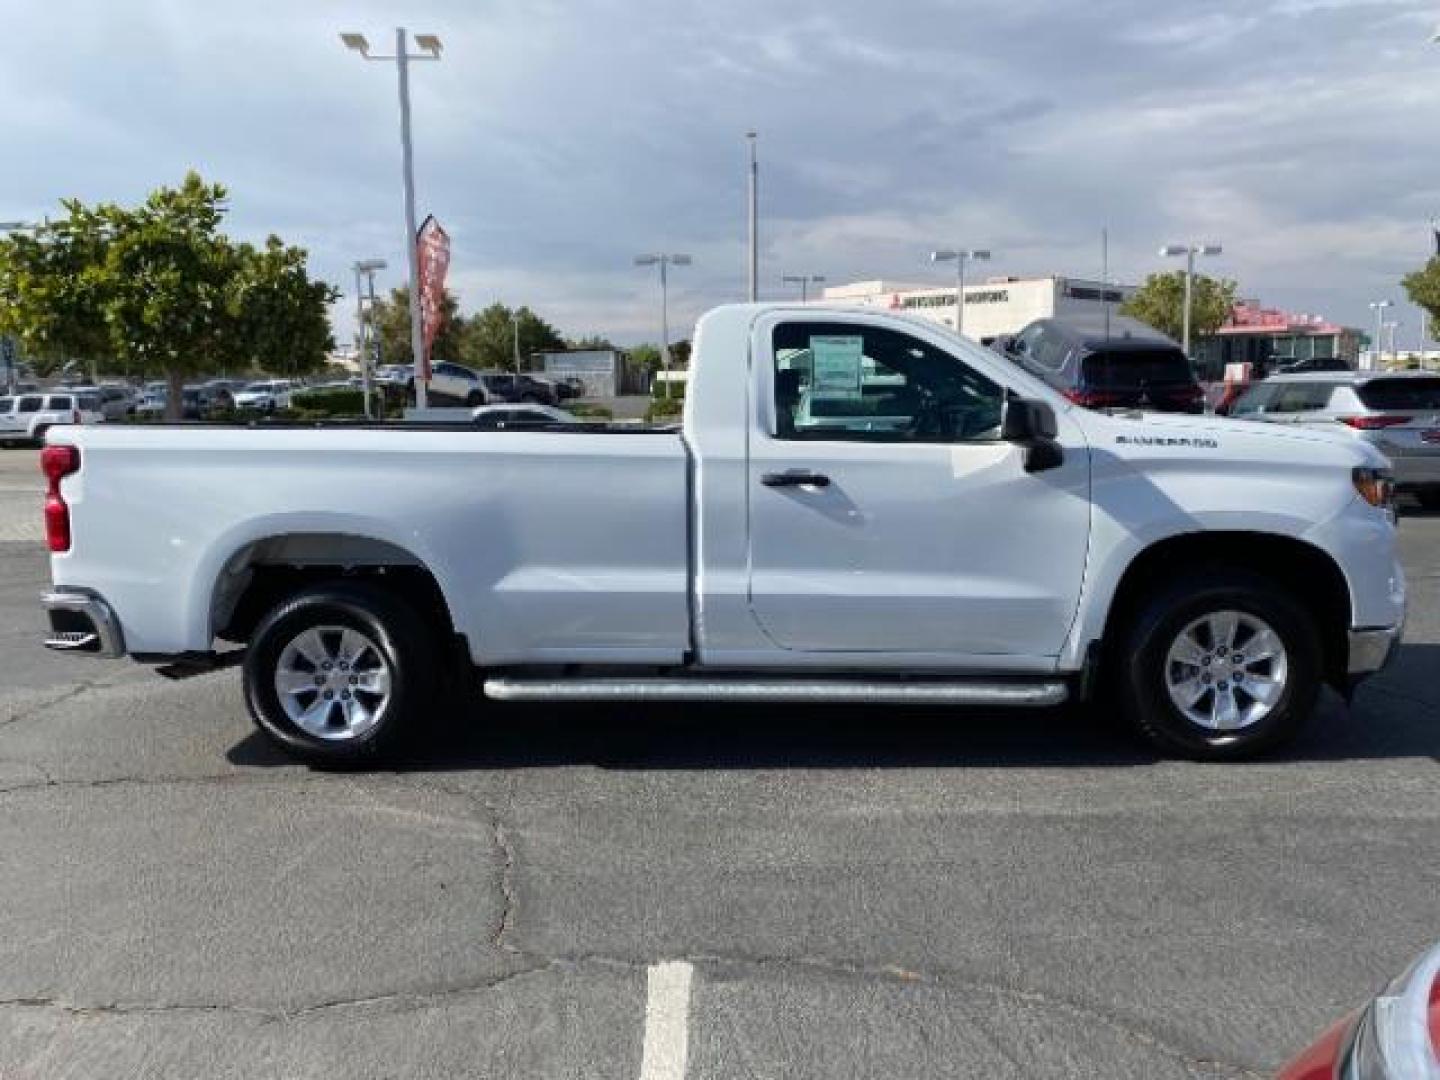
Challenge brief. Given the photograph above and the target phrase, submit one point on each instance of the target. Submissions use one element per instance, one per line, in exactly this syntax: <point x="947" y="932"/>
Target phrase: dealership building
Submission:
<point x="1269" y="338"/>
<point x="999" y="305"/>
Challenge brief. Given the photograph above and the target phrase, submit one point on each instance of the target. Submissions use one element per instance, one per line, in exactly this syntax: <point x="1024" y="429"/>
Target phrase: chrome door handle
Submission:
<point x="795" y="478"/>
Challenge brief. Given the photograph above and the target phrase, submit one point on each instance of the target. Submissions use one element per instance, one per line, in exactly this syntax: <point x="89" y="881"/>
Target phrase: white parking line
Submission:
<point x="667" y="1015"/>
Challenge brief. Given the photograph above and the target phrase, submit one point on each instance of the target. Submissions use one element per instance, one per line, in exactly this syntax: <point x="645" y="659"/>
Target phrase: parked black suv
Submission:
<point x="504" y="386"/>
<point x="1133" y="366"/>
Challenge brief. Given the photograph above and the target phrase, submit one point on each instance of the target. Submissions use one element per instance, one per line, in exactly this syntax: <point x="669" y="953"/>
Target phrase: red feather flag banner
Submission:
<point x="432" y="245"/>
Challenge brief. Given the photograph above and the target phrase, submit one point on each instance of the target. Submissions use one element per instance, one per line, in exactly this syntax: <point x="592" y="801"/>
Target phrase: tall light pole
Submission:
<point x="1189" y="251"/>
<point x="515" y="326"/>
<point x="754" y="220"/>
<point x="430" y="50"/>
<point x="364" y="332"/>
<point x="960" y="256"/>
<point x="663" y="261"/>
<point x="804" y="281"/>
<point x="1378" y="306"/>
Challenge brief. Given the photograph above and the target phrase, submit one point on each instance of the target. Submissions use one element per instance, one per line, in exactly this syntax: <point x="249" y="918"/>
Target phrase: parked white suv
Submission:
<point x="1397" y="412"/>
<point x="26" y="417"/>
<point x="264" y="396"/>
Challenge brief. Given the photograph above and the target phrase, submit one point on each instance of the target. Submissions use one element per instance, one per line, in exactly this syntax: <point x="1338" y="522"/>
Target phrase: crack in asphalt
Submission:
<point x="571" y="964"/>
<point x="39" y="708"/>
<point x="506" y="920"/>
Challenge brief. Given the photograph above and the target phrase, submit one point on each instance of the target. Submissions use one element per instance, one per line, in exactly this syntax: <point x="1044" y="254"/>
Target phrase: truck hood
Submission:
<point x="1150" y="436"/>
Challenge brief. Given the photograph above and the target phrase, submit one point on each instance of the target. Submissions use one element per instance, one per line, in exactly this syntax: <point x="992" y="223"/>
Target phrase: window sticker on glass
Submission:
<point x="837" y="365"/>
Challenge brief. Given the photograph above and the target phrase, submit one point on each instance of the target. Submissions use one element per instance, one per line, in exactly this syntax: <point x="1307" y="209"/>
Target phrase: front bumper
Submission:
<point x="80" y="621"/>
<point x="1372" y="649"/>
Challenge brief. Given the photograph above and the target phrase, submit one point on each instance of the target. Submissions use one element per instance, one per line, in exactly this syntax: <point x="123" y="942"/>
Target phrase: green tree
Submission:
<point x="645" y="358"/>
<point x="589" y="341"/>
<point x="281" y="313"/>
<point x="1423" y="287"/>
<point x="391" y="317"/>
<point x="1160" y="303"/>
<point x="160" y="288"/>
<point x="488" y="339"/>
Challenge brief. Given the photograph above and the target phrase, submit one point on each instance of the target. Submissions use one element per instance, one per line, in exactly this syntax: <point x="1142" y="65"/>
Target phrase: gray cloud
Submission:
<point x="556" y="139"/>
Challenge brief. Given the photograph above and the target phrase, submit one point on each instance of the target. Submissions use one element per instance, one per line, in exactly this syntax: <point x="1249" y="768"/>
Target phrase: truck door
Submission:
<point x="886" y="515"/>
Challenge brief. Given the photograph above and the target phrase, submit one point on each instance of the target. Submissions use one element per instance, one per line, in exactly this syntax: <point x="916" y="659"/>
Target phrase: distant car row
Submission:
<point x="1127" y="365"/>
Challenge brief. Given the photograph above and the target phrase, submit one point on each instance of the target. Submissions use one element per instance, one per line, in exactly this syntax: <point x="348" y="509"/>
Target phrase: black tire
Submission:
<point x="399" y="635"/>
<point x="1429" y="498"/>
<point x="39" y="436"/>
<point x="531" y="399"/>
<point x="474" y="399"/>
<point x="1163" y="616"/>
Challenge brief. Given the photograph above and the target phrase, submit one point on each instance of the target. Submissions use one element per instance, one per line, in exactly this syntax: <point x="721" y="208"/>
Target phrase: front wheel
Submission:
<point x="1220" y="665"/>
<point x="475" y="399"/>
<point x="340" y="674"/>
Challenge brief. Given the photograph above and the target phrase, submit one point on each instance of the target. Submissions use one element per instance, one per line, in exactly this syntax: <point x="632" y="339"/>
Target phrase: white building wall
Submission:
<point x="998" y="306"/>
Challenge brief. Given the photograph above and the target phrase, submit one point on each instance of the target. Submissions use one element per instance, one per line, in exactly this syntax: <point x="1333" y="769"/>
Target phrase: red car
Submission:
<point x="1395" y="1037"/>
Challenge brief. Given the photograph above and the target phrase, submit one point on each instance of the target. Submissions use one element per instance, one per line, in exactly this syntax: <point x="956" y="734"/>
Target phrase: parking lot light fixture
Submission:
<point x="363" y="332"/>
<point x="1378" y="306"/>
<point x="430" y="50"/>
<point x="960" y="256"/>
<point x="1189" y="251"/>
<point x="664" y="260"/>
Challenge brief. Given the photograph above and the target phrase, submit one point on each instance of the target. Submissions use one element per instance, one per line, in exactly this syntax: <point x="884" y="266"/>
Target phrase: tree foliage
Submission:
<point x="1423" y="287"/>
<point x="159" y="288"/>
<point x="1160" y="303"/>
<point x="488" y="339"/>
<point x="391" y="317"/>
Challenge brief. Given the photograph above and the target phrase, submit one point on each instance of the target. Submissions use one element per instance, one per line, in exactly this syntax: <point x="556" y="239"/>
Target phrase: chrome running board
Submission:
<point x="800" y="689"/>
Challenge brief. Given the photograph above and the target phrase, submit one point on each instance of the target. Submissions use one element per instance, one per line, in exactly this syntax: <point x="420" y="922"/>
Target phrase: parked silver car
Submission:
<point x="1397" y="412"/>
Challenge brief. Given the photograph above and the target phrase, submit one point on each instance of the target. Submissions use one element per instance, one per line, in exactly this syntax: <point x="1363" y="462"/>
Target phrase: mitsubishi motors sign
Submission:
<point x="432" y="245"/>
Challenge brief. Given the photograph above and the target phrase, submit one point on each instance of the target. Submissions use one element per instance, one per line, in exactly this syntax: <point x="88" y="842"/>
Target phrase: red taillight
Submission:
<point x="58" y="462"/>
<point x="1372" y="423"/>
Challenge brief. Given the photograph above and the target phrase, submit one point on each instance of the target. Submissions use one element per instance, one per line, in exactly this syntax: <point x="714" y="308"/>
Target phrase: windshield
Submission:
<point x="1389" y="394"/>
<point x="1136" y="367"/>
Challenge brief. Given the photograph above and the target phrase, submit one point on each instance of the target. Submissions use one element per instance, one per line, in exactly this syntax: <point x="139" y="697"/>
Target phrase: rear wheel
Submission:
<point x="1429" y="498"/>
<point x="1221" y="665"/>
<point x="340" y="674"/>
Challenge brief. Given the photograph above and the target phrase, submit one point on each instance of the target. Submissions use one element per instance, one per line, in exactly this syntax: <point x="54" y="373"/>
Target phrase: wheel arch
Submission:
<point x="260" y="572"/>
<point x="1307" y="572"/>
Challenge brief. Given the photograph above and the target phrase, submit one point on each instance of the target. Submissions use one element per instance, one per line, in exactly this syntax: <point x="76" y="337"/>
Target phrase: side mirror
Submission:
<point x="1031" y="424"/>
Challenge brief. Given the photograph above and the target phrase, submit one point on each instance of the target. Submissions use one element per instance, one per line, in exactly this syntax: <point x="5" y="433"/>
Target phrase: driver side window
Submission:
<point x="851" y="383"/>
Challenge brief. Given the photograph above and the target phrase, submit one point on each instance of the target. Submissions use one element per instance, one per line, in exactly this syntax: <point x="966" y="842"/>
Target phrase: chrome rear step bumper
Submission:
<point x="82" y="622"/>
<point x="800" y="690"/>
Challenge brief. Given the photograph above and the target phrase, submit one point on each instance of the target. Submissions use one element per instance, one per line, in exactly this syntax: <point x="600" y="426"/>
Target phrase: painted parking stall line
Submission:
<point x="667" y="1018"/>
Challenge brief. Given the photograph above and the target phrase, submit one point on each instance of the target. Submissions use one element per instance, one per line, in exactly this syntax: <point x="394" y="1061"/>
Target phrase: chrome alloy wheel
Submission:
<point x="333" y="682"/>
<point x="1226" y="670"/>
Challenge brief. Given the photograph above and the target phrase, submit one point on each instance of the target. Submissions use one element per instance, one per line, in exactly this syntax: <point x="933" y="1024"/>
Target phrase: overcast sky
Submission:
<point x="558" y="138"/>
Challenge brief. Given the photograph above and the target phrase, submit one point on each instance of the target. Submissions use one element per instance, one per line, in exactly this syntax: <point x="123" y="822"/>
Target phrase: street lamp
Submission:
<point x="515" y="326"/>
<point x="960" y="256"/>
<point x="804" y="281"/>
<point x="1379" y="306"/>
<point x="754" y="223"/>
<point x="430" y="50"/>
<point x="1189" y="251"/>
<point x="663" y="261"/>
<point x="365" y="269"/>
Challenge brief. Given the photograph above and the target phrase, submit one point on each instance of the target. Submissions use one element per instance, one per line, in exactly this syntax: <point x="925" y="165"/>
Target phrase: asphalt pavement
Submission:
<point x="741" y="892"/>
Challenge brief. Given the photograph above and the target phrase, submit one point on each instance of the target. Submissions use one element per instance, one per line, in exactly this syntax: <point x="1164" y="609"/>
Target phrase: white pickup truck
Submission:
<point x="857" y="507"/>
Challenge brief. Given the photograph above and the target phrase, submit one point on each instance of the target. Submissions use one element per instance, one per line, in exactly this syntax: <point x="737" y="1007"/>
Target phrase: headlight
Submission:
<point x="1393" y="1040"/>
<point x="1376" y="486"/>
